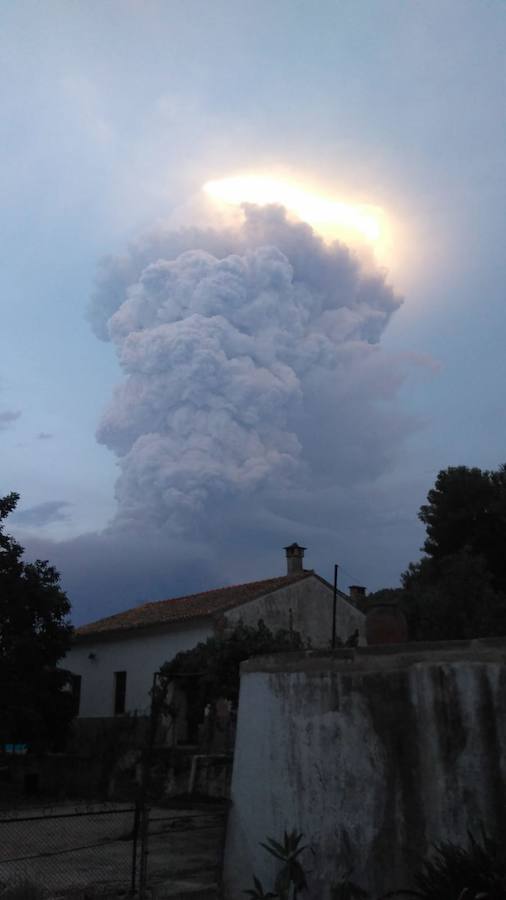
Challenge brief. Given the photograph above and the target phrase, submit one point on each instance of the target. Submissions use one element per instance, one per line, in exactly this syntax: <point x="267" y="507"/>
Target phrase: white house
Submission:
<point x="114" y="659"/>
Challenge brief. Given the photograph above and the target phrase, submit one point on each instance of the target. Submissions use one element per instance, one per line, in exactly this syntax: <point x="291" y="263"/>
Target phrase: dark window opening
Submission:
<point x="75" y="687"/>
<point x="119" y="692"/>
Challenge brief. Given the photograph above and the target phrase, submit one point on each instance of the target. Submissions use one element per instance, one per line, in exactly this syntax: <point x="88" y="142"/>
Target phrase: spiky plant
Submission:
<point x="292" y="874"/>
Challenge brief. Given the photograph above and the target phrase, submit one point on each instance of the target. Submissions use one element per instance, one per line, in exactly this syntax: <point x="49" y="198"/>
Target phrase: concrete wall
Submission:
<point x="373" y="754"/>
<point x="139" y="654"/>
<point x="307" y="607"/>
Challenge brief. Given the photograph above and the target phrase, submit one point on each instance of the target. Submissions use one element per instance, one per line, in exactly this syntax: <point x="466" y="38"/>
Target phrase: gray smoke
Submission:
<point x="8" y="416"/>
<point x="252" y="369"/>
<point x="42" y="514"/>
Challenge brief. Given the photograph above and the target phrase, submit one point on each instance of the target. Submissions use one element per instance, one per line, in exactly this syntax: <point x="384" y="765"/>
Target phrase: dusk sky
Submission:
<point x="253" y="283"/>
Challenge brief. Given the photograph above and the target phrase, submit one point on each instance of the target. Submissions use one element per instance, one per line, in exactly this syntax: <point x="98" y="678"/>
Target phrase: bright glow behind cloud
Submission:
<point x="331" y="218"/>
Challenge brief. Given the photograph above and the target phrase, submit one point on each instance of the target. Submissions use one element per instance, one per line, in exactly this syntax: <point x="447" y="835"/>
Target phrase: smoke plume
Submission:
<point x="253" y="374"/>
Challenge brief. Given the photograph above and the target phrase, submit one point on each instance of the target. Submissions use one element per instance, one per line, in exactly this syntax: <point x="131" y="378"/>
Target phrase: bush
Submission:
<point x="476" y="872"/>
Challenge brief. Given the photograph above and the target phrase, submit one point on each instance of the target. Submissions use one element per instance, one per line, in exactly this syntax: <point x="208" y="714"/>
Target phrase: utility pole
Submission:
<point x="334" y="609"/>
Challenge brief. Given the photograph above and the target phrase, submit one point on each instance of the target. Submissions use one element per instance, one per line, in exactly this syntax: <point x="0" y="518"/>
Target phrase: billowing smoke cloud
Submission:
<point x="252" y="369"/>
<point x="42" y="514"/>
<point x="7" y="417"/>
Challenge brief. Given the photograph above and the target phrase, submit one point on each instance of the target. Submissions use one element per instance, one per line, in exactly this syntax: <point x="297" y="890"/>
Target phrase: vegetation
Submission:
<point x="466" y="509"/>
<point x="475" y="872"/>
<point x="291" y="878"/>
<point x="458" y="590"/>
<point x="451" y="872"/>
<point x="34" y="635"/>
<point x="211" y="669"/>
<point x="291" y="875"/>
<point x="452" y="598"/>
<point x="258" y="893"/>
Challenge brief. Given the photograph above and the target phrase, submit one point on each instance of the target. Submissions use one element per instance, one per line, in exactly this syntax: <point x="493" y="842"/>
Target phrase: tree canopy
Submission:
<point x="35" y="634"/>
<point x="466" y="510"/>
<point x="458" y="590"/>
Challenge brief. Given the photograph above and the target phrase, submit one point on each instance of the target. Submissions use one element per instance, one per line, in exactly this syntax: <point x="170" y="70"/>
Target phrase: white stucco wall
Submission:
<point x="139" y="654"/>
<point x="373" y="754"/>
<point x="307" y="606"/>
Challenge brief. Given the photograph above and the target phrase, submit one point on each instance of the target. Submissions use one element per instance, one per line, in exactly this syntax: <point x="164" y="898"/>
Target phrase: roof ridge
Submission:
<point x="188" y="604"/>
<point x="225" y="587"/>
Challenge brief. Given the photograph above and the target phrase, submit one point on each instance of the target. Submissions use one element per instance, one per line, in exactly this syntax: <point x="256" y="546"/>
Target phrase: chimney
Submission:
<point x="357" y="594"/>
<point x="294" y="558"/>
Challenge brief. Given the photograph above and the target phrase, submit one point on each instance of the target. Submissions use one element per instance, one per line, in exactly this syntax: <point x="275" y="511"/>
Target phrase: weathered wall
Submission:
<point x="381" y="750"/>
<point x="140" y="654"/>
<point x="307" y="607"/>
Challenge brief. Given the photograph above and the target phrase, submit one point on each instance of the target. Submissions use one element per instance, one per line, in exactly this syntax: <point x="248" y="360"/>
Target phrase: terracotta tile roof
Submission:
<point x="180" y="609"/>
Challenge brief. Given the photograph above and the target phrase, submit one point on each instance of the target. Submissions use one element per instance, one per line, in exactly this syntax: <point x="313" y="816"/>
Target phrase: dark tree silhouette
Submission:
<point x="458" y="590"/>
<point x="35" y="634"/>
<point x="466" y="510"/>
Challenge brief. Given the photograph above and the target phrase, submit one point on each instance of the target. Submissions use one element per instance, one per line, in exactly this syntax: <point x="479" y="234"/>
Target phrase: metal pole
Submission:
<point x="134" y="846"/>
<point x="144" y="808"/>
<point x="334" y="609"/>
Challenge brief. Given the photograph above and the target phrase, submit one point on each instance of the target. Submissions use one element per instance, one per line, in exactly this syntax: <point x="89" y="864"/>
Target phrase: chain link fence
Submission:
<point x="184" y="849"/>
<point x="106" y="851"/>
<point x="62" y="852"/>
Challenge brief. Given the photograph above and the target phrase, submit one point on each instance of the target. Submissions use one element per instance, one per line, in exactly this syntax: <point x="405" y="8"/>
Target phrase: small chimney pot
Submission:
<point x="357" y="594"/>
<point x="294" y="559"/>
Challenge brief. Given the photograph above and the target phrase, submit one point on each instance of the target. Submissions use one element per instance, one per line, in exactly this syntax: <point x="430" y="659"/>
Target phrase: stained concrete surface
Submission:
<point x="373" y="754"/>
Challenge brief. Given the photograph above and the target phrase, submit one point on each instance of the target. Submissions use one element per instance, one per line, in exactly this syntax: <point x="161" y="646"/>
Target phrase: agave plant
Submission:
<point x="258" y="893"/>
<point x="292" y="874"/>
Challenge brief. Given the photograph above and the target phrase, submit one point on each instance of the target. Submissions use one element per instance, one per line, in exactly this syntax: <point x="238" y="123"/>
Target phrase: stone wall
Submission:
<point x="373" y="754"/>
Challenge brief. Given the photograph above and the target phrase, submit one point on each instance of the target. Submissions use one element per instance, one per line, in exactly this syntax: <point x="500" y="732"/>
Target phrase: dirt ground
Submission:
<point x="64" y="850"/>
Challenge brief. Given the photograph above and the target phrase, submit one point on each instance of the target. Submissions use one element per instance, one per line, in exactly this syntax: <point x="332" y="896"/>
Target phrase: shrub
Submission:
<point x="476" y="872"/>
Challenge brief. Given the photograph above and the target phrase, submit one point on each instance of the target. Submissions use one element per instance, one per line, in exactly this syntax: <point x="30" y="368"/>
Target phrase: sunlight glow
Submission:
<point x="331" y="218"/>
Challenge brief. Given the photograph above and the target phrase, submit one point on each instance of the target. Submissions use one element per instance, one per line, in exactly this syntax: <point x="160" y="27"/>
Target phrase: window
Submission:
<point x="75" y="690"/>
<point x="119" y="692"/>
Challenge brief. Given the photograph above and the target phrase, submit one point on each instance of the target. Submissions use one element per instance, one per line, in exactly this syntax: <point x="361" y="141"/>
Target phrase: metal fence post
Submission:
<point x="143" y="867"/>
<point x="134" y="847"/>
<point x="147" y="758"/>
